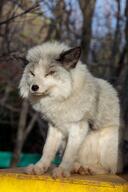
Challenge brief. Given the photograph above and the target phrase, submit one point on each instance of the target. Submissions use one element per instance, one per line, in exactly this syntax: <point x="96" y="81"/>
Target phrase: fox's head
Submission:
<point x="49" y="71"/>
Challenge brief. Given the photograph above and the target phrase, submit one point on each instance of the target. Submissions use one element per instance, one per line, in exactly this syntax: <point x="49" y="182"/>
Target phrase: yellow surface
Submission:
<point x="19" y="182"/>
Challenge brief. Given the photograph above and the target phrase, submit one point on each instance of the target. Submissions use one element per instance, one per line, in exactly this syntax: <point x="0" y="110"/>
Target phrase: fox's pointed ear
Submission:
<point x="21" y="58"/>
<point x="25" y="61"/>
<point x="70" y="57"/>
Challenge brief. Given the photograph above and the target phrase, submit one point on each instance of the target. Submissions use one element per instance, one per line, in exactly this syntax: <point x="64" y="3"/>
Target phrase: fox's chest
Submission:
<point x="61" y="116"/>
<point x="52" y="113"/>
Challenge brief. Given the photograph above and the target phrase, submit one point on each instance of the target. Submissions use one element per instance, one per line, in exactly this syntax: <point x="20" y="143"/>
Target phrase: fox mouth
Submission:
<point x="43" y="94"/>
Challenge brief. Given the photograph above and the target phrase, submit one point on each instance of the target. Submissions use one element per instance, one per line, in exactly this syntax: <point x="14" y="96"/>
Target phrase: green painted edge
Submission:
<point x="25" y="159"/>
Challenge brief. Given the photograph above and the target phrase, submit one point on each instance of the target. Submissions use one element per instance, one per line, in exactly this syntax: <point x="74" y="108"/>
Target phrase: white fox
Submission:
<point x="81" y="110"/>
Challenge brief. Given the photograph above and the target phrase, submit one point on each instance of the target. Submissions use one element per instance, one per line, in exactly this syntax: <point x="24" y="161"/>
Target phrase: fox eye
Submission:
<point x="32" y="73"/>
<point x="50" y="73"/>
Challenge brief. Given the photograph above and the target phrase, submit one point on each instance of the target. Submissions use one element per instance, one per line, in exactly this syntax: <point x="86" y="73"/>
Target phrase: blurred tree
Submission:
<point x="87" y="9"/>
<point x="122" y="73"/>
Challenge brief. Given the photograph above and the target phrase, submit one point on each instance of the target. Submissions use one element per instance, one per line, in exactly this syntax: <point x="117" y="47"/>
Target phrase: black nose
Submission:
<point x="35" y="87"/>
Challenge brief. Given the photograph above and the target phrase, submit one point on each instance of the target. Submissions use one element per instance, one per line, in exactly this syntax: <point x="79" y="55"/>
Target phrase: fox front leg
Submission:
<point x="77" y="134"/>
<point x="51" y="146"/>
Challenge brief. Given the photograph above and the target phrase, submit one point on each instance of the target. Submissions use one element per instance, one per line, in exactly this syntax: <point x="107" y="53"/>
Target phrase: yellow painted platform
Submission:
<point x="19" y="182"/>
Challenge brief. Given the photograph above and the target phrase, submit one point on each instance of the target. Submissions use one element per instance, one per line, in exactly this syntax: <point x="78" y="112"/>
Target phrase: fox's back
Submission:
<point x="108" y="109"/>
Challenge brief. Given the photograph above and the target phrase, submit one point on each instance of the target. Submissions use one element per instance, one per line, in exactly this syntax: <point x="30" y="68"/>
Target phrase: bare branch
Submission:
<point x="20" y="14"/>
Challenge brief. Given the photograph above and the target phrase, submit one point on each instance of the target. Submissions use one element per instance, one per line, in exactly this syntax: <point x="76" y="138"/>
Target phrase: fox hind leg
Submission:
<point x="88" y="170"/>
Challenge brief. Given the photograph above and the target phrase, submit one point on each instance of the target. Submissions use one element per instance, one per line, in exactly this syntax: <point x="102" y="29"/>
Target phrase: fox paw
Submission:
<point x="85" y="171"/>
<point x="59" y="172"/>
<point x="78" y="169"/>
<point x="37" y="169"/>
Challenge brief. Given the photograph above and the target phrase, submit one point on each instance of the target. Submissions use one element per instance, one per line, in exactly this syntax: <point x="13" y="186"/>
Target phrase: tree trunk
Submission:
<point x="87" y="9"/>
<point x="20" y="134"/>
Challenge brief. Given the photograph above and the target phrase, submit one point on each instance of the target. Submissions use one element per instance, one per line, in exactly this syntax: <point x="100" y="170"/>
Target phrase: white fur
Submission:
<point x="75" y="100"/>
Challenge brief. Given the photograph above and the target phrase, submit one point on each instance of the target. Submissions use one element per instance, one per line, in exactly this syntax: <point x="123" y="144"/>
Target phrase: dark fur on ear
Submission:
<point x="69" y="58"/>
<point x="23" y="60"/>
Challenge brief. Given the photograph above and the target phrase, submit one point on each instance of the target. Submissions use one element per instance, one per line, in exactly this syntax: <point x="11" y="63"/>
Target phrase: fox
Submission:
<point x="82" y="111"/>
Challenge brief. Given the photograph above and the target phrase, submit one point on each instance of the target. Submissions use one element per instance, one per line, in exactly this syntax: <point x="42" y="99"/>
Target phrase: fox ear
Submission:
<point x="70" y="57"/>
<point x="22" y="59"/>
<point x="25" y="61"/>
